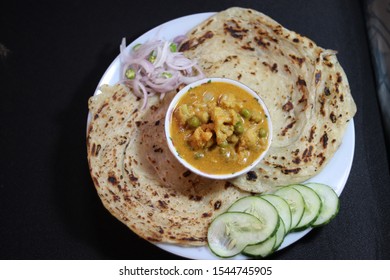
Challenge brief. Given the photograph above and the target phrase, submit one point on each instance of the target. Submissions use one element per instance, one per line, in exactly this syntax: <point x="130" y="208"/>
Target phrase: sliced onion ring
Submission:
<point x="152" y="61"/>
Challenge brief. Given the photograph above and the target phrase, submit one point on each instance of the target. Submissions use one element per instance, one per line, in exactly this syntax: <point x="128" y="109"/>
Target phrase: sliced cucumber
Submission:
<point x="267" y="247"/>
<point x="313" y="206"/>
<point x="330" y="203"/>
<point x="261" y="250"/>
<point x="256" y="225"/>
<point x="295" y="202"/>
<point x="230" y="232"/>
<point x="261" y="209"/>
<point x="282" y="207"/>
<point x="280" y="234"/>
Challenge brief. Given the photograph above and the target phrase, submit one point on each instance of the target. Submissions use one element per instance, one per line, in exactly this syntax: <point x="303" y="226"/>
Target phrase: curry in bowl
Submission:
<point x="218" y="127"/>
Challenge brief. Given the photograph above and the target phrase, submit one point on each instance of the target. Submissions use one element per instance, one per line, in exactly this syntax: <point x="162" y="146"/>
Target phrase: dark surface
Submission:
<point x="57" y="54"/>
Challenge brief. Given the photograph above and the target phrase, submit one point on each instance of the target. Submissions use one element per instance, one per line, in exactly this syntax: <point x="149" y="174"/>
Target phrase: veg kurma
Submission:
<point x="219" y="128"/>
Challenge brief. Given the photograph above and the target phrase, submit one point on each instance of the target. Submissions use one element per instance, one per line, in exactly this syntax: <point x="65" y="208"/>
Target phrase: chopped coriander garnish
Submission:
<point x="130" y="73"/>
<point x="152" y="57"/>
<point x="136" y="47"/>
<point x="166" y="75"/>
<point x="173" y="47"/>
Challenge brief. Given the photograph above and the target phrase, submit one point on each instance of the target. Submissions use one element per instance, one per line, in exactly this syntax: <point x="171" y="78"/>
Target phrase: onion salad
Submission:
<point x="156" y="67"/>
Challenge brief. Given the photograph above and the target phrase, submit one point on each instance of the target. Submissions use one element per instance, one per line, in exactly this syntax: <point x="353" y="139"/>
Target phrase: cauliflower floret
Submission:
<point x="183" y="113"/>
<point x="200" y="138"/>
<point x="235" y="116"/>
<point x="250" y="138"/>
<point x="222" y="124"/>
<point x="228" y="100"/>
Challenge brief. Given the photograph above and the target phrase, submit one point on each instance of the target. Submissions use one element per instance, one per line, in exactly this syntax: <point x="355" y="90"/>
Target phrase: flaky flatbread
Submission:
<point x="120" y="137"/>
<point x="303" y="85"/>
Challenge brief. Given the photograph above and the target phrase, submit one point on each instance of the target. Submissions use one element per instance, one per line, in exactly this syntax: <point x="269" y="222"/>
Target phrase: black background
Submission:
<point x="57" y="53"/>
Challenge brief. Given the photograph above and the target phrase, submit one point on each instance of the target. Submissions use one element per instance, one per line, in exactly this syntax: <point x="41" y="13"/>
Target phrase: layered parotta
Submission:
<point x="178" y="210"/>
<point x="303" y="85"/>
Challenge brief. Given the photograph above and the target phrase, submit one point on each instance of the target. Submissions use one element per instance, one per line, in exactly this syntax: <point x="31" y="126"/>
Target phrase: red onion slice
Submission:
<point x="157" y="68"/>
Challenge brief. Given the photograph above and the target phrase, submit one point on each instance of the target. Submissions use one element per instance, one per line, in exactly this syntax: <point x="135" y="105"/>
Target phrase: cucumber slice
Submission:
<point x="330" y="203"/>
<point x="295" y="202"/>
<point x="261" y="209"/>
<point x="313" y="206"/>
<point x="230" y="232"/>
<point x="267" y="247"/>
<point x="282" y="207"/>
<point x="280" y="234"/>
<point x="261" y="250"/>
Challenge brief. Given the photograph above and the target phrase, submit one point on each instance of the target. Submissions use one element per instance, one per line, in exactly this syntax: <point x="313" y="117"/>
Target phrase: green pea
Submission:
<point x="239" y="128"/>
<point x="198" y="155"/>
<point x="225" y="152"/>
<point x="246" y="113"/>
<point x="193" y="122"/>
<point x="262" y="132"/>
<point x="224" y="144"/>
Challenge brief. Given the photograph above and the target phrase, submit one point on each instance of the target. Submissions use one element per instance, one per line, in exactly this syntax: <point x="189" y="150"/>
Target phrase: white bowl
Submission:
<point x="172" y="148"/>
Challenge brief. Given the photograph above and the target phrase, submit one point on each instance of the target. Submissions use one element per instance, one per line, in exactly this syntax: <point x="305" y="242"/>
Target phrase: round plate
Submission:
<point x="335" y="173"/>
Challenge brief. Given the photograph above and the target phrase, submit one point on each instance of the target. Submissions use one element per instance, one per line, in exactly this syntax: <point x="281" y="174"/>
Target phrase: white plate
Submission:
<point x="334" y="174"/>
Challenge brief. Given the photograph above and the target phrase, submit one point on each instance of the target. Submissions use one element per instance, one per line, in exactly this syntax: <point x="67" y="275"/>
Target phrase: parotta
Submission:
<point x="127" y="183"/>
<point x="303" y="85"/>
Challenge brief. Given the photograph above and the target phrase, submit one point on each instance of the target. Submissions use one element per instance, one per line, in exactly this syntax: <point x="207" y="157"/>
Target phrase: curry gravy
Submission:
<point x="219" y="128"/>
